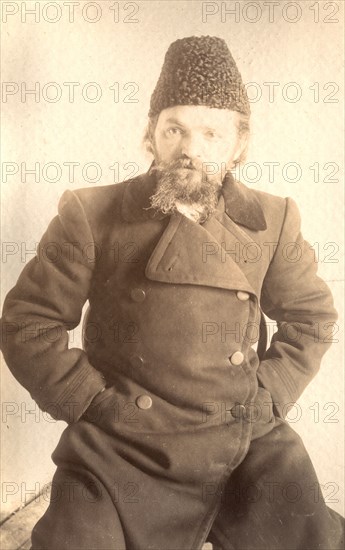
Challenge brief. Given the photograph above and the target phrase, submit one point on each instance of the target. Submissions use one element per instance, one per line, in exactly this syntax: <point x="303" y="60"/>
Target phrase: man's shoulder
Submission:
<point x="278" y="211"/>
<point x="253" y="208"/>
<point x="100" y="202"/>
<point x="267" y="200"/>
<point x="102" y="197"/>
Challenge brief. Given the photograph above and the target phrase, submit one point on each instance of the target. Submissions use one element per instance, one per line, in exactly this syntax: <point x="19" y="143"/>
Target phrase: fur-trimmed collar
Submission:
<point x="241" y="204"/>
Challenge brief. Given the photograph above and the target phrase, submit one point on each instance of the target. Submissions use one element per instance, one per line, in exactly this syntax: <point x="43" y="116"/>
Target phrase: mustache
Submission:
<point x="179" y="164"/>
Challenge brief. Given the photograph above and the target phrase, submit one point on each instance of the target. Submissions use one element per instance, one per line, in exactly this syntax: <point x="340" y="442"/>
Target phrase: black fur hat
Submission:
<point x="199" y="70"/>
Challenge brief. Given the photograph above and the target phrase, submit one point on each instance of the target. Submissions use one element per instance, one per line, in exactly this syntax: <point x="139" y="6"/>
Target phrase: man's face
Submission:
<point x="198" y="133"/>
<point x="193" y="147"/>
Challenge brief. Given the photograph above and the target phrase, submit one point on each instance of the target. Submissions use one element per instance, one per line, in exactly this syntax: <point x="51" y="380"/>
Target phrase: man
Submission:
<point x="176" y="432"/>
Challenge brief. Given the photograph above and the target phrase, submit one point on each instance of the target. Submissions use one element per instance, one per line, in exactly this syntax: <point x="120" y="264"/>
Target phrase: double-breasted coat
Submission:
<point x="171" y="330"/>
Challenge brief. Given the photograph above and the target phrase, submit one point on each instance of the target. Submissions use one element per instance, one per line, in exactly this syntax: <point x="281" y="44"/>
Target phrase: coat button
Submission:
<point x="144" y="402"/>
<point x="238" y="410"/>
<point x="138" y="294"/>
<point x="137" y="361"/>
<point x="237" y="358"/>
<point x="243" y="296"/>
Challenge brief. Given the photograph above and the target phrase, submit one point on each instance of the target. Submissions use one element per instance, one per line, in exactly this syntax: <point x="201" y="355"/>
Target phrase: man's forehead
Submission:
<point x="196" y="115"/>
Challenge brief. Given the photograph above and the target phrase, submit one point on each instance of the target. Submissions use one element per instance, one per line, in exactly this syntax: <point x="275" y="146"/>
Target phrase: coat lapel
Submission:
<point x="189" y="253"/>
<point x="214" y="254"/>
<point x="238" y="247"/>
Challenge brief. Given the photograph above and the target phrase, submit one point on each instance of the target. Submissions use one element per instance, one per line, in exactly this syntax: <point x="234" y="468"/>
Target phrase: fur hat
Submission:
<point x="199" y="70"/>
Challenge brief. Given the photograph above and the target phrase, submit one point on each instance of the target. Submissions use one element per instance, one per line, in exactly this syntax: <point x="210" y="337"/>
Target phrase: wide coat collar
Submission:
<point x="214" y="254"/>
<point x="240" y="203"/>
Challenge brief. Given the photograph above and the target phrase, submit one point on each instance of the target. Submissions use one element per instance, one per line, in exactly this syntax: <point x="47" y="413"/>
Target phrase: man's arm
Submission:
<point x="302" y="305"/>
<point x="46" y="302"/>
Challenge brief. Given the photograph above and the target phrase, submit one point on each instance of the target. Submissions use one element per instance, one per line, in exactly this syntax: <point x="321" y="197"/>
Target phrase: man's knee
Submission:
<point x="81" y="515"/>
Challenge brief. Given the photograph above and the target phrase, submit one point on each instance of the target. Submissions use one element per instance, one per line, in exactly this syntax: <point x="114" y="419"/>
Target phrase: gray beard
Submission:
<point x="184" y="181"/>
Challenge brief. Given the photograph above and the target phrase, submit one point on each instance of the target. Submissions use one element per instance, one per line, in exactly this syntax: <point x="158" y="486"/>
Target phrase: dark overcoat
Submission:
<point x="173" y="321"/>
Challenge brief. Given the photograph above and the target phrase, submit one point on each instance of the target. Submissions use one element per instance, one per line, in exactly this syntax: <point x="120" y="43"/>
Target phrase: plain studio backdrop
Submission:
<point x="93" y="67"/>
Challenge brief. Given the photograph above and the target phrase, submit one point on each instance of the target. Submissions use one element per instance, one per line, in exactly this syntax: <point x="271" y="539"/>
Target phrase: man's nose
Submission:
<point x="191" y="147"/>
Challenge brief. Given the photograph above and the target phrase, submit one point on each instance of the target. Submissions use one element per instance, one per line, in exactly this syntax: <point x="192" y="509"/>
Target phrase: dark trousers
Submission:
<point x="272" y="501"/>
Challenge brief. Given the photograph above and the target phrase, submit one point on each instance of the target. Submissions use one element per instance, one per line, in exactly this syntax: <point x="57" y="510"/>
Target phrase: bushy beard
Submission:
<point x="185" y="181"/>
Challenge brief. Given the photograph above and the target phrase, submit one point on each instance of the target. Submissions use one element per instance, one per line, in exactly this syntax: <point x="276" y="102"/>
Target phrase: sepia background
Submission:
<point x="90" y="132"/>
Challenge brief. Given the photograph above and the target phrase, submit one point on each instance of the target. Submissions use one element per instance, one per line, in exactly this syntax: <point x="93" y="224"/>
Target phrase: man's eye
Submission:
<point x="210" y="134"/>
<point x="173" y="131"/>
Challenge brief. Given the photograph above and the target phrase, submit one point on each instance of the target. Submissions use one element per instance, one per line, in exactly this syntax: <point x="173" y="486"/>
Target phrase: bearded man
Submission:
<point x="176" y="428"/>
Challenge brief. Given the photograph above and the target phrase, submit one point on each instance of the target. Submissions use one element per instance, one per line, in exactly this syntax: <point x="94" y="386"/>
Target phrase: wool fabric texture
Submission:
<point x="199" y="70"/>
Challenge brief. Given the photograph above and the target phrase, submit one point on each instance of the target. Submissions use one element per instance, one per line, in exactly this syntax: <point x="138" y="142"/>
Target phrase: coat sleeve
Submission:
<point x="46" y="302"/>
<point x="302" y="305"/>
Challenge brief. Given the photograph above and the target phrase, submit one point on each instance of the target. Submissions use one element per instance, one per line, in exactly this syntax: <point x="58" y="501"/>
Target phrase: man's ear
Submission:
<point x="240" y="149"/>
